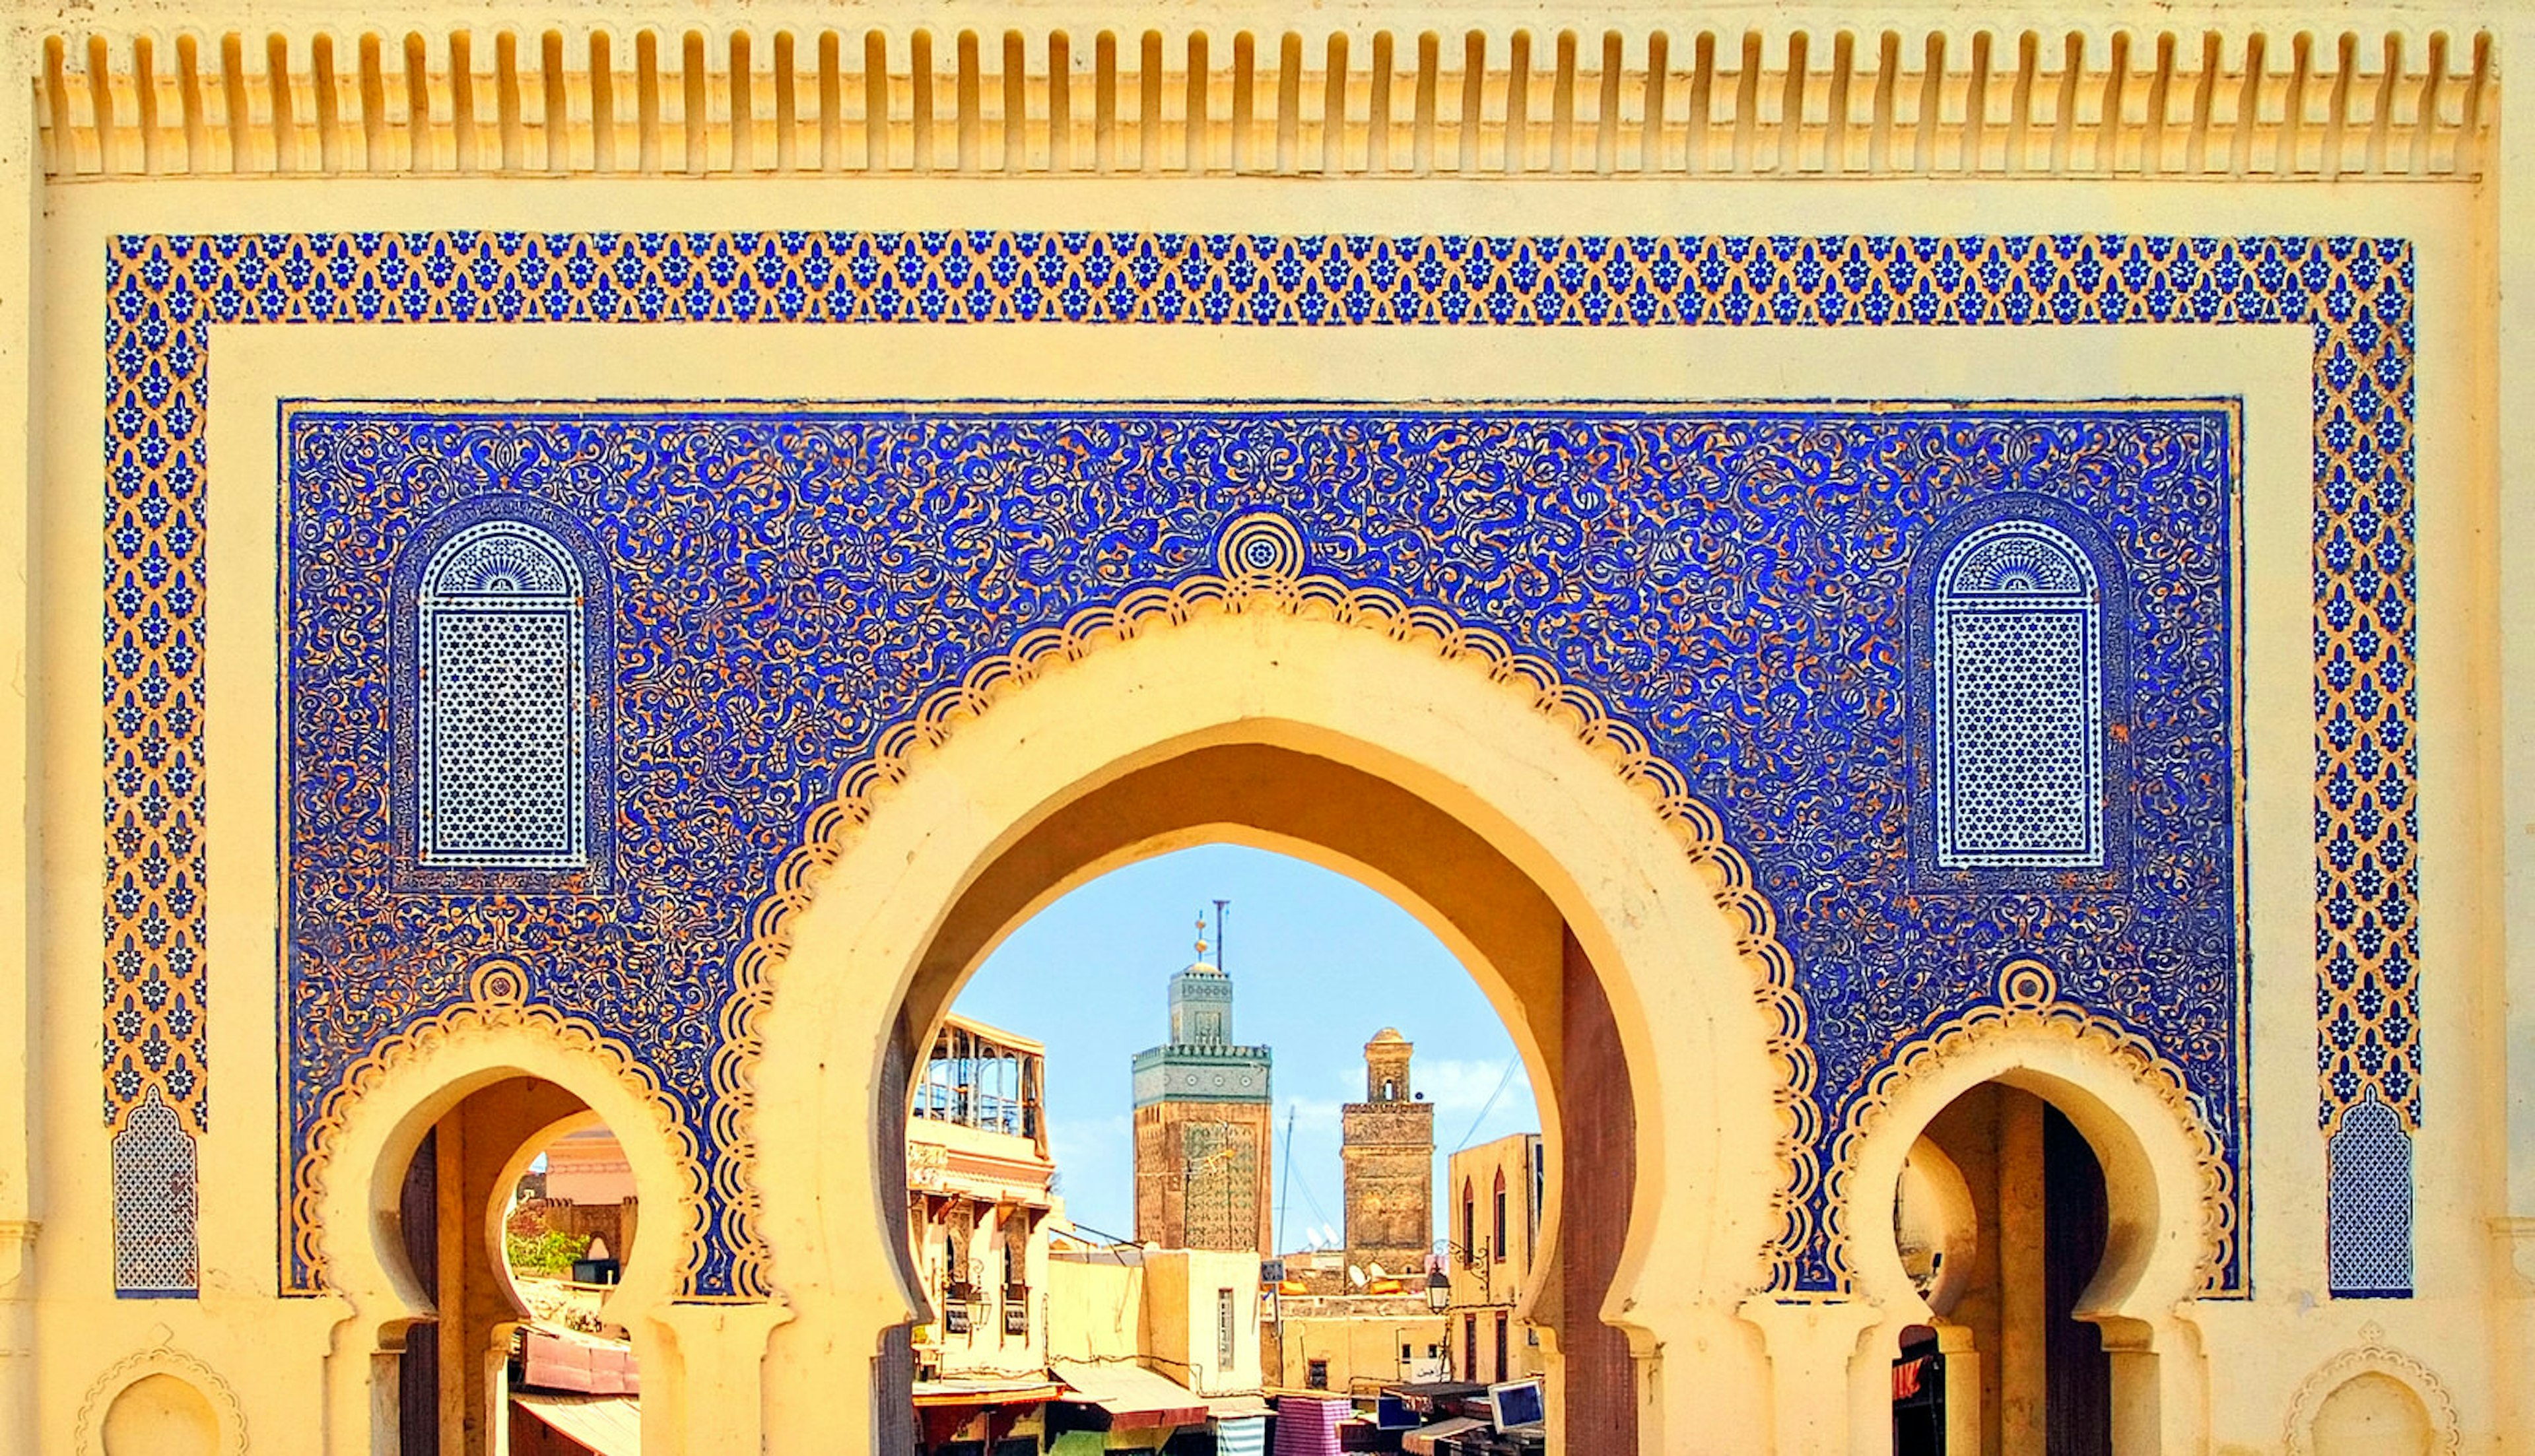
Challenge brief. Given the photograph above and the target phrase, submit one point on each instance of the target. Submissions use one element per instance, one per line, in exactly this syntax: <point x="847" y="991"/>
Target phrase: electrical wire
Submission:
<point x="1503" y="1078"/>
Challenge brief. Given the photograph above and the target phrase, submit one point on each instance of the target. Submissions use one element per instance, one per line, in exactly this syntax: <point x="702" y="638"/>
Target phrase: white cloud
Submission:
<point x="1313" y="1112"/>
<point x="1449" y="1082"/>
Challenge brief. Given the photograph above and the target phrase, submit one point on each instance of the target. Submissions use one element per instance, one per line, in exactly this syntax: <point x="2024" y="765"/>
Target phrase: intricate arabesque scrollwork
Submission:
<point x="1267" y="582"/>
<point x="807" y="582"/>
<point x="1718" y="593"/>
<point x="164" y="293"/>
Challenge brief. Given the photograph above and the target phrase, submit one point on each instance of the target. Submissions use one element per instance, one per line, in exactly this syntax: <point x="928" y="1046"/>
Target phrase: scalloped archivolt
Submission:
<point x="2030" y="1000"/>
<point x="1264" y="582"/>
<point x="496" y="1000"/>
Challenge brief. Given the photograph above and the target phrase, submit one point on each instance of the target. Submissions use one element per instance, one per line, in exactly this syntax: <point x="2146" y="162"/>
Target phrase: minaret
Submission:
<point x="1203" y="1111"/>
<point x="1387" y="1142"/>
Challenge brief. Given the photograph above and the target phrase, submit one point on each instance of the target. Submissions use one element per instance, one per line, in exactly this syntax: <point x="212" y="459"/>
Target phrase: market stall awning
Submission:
<point x="1135" y="1398"/>
<point x="1308" y="1425"/>
<point x="1024" y="1391"/>
<point x="1242" y="1435"/>
<point x="602" y="1424"/>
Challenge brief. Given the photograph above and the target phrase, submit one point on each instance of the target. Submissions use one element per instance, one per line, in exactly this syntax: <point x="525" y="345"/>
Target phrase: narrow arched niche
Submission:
<point x="2373" y="1414"/>
<point x="160" y="1415"/>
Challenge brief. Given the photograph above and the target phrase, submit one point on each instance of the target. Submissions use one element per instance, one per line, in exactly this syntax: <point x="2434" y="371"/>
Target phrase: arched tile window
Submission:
<point x="2367" y="1203"/>
<point x="155" y="1204"/>
<point x="502" y="724"/>
<point x="2019" y="701"/>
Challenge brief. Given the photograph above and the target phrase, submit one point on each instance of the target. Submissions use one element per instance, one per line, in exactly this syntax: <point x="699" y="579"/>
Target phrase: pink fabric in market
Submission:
<point x="1308" y="1425"/>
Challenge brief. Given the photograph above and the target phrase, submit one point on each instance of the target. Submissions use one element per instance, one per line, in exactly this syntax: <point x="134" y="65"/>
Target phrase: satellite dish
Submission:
<point x="1380" y="1273"/>
<point x="1355" y="1276"/>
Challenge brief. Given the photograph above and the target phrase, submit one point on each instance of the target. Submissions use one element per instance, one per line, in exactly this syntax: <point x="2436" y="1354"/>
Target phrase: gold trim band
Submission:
<point x="1367" y="102"/>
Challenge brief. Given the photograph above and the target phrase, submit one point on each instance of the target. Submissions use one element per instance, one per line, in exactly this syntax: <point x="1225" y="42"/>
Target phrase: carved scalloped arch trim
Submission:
<point x="2371" y="1355"/>
<point x="1275" y="587"/>
<point x="497" y="999"/>
<point x="2028" y="1000"/>
<point x="161" y="1358"/>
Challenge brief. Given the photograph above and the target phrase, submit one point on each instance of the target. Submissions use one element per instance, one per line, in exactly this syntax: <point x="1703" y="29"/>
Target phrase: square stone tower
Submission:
<point x="1387" y="1141"/>
<point x="1204" y="1126"/>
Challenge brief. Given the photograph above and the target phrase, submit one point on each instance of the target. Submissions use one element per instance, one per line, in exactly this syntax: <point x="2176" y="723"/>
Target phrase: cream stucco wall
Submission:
<point x="1358" y="1339"/>
<point x="1726" y="1376"/>
<point x="1183" y="1288"/>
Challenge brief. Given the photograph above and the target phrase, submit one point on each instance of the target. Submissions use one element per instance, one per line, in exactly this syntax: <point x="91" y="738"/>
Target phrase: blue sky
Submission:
<point x="1319" y="963"/>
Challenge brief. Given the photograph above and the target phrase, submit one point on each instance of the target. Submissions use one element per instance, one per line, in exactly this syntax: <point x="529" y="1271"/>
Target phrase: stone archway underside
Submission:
<point x="1504" y="927"/>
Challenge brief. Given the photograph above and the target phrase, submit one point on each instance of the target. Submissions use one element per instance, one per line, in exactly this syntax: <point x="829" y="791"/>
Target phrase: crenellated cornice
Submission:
<point x="1639" y="98"/>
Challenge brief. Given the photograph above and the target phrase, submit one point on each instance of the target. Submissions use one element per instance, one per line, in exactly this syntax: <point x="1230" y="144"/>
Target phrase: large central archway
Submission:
<point x="1555" y="881"/>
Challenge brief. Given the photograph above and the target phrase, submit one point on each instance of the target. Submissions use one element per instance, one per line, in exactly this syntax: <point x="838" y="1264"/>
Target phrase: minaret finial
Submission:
<point x="1200" y="937"/>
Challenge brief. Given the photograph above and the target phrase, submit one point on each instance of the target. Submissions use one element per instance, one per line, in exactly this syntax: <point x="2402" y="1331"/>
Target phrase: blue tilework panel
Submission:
<point x="789" y="582"/>
<point x="2353" y="295"/>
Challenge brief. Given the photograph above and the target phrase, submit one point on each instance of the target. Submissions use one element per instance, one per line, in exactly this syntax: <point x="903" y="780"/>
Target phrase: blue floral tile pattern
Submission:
<point x="2355" y="294"/>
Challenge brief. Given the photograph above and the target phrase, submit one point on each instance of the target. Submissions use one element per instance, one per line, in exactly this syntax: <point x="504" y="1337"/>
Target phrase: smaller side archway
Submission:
<point x="2159" y="1193"/>
<point x="514" y="1073"/>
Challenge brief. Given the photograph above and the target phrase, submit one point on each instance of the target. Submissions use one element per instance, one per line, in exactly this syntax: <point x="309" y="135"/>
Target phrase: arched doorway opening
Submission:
<point x="416" y="1167"/>
<point x="517" y="1215"/>
<point x="1975" y="1138"/>
<point x="1305" y="1089"/>
<point x="2000" y="1219"/>
<point x="1489" y="919"/>
<point x="1623" y="947"/>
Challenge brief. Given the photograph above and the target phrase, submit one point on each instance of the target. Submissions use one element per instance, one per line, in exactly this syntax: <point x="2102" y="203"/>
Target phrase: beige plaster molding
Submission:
<point x="2518" y="1234"/>
<point x="158" y="1359"/>
<point x="1617" y="96"/>
<point x="17" y="1252"/>
<point x="2371" y="1355"/>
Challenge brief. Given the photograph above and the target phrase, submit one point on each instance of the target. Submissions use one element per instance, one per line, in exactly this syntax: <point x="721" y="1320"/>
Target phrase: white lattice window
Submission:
<point x="2019" y="712"/>
<point x="2369" y="1204"/>
<point x="504" y="710"/>
<point x="155" y="1202"/>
